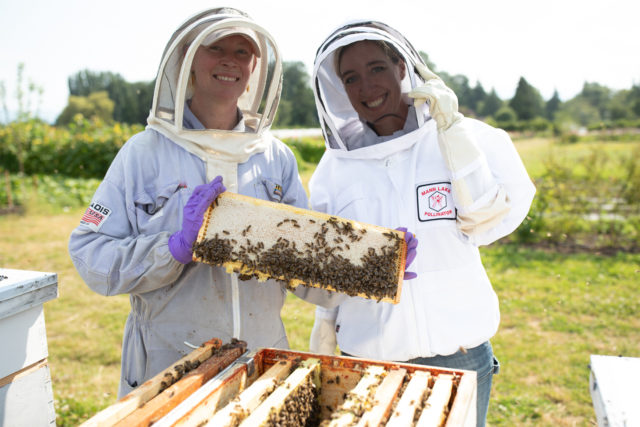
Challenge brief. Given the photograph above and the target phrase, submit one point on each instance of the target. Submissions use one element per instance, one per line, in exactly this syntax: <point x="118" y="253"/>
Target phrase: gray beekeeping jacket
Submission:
<point x="121" y="244"/>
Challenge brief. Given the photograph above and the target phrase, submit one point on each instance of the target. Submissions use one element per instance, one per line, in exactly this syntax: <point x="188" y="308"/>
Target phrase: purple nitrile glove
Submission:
<point x="181" y="242"/>
<point x="412" y="244"/>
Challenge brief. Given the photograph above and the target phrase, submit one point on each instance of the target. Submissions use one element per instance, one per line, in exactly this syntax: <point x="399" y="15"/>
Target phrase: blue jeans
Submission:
<point x="479" y="359"/>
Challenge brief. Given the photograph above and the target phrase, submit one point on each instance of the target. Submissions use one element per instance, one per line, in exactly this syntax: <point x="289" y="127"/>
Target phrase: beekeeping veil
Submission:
<point x="340" y="122"/>
<point x="221" y="150"/>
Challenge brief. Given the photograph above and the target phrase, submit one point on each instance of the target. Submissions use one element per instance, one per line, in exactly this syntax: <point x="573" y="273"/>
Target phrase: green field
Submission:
<point x="557" y="310"/>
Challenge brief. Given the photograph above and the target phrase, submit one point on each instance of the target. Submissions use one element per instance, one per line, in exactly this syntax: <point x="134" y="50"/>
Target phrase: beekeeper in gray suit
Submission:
<point x="216" y="94"/>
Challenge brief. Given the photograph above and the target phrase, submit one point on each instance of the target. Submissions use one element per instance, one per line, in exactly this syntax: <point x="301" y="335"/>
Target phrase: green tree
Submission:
<point x="619" y="106"/>
<point x="297" y="105"/>
<point x="577" y="112"/>
<point x="132" y="101"/>
<point x="95" y="105"/>
<point x="477" y="97"/>
<point x="552" y="105"/>
<point x="527" y="101"/>
<point x="634" y="100"/>
<point x="598" y="97"/>
<point x="491" y="104"/>
<point x="460" y="85"/>
<point x="426" y="60"/>
<point x="505" y="114"/>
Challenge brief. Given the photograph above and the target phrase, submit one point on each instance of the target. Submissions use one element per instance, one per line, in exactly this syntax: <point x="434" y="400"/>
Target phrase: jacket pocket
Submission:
<point x="160" y="209"/>
<point x="269" y="189"/>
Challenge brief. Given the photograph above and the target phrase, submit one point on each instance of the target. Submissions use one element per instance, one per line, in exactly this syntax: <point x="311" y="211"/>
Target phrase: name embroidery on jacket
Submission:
<point x="435" y="202"/>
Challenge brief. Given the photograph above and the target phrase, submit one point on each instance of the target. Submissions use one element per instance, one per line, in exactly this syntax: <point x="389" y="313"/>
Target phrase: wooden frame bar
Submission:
<point x="309" y="370"/>
<point x="385" y="394"/>
<point x="147" y="391"/>
<point x="169" y="398"/>
<point x="354" y="406"/>
<point x="435" y="410"/>
<point x="250" y="398"/>
<point x="411" y="400"/>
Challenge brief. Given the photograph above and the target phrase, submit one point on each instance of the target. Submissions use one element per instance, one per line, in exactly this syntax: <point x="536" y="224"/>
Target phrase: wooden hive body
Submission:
<point x="270" y="386"/>
<point x="257" y="238"/>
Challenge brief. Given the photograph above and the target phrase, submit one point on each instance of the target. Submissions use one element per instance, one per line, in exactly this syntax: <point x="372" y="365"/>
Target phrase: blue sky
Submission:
<point x="554" y="44"/>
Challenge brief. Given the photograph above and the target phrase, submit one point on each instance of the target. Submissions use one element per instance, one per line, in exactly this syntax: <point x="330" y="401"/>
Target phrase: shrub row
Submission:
<point x="84" y="149"/>
<point x="592" y="201"/>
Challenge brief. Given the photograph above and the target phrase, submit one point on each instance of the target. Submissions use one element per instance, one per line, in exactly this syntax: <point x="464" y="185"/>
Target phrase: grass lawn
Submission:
<point x="557" y="310"/>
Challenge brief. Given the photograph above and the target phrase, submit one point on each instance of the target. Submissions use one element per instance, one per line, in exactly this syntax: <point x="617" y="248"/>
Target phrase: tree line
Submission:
<point x="109" y="97"/>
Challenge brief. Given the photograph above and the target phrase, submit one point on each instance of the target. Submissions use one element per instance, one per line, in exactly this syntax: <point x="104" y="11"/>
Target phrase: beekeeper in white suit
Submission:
<point x="400" y="154"/>
<point x="216" y="94"/>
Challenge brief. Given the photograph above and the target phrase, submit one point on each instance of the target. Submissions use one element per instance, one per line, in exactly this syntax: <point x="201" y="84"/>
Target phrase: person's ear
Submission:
<point x="255" y="62"/>
<point x="403" y="69"/>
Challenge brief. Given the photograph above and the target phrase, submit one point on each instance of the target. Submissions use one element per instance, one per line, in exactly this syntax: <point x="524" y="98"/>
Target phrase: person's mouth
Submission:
<point x="226" y="78"/>
<point x="375" y="102"/>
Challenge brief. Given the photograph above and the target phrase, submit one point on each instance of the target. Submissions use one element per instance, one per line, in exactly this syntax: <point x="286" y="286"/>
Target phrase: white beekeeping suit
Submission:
<point x="455" y="182"/>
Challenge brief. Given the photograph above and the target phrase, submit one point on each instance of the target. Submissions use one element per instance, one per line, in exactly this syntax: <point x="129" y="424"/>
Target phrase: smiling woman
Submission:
<point x="372" y="74"/>
<point x="219" y="75"/>
<point x="216" y="94"/>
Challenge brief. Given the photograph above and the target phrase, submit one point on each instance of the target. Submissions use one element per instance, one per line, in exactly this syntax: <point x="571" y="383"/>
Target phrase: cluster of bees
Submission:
<point x="320" y="262"/>
<point x="178" y="372"/>
<point x="181" y="369"/>
<point x="301" y="407"/>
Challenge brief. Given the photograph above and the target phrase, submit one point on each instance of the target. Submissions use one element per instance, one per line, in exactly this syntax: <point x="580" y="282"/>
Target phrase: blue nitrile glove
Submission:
<point x="181" y="242"/>
<point x="412" y="244"/>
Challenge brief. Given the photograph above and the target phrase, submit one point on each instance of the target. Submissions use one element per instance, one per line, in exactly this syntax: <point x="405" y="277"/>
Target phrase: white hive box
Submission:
<point x="613" y="385"/>
<point x="26" y="395"/>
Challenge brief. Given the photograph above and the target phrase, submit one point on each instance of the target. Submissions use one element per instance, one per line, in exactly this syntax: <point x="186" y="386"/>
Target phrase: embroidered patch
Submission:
<point x="435" y="201"/>
<point x="95" y="215"/>
<point x="278" y="190"/>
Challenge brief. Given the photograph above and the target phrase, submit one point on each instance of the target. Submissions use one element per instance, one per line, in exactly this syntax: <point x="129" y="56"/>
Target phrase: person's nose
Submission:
<point x="227" y="58"/>
<point x="366" y="85"/>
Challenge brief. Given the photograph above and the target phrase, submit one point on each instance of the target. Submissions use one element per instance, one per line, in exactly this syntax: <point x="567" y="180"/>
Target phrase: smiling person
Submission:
<point x="216" y="94"/>
<point x="399" y="154"/>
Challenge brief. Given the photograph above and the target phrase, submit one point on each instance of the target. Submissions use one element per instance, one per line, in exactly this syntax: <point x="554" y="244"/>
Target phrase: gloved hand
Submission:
<point x="181" y="242"/>
<point x="443" y="102"/>
<point x="323" y="335"/>
<point x="412" y="244"/>
<point x="471" y="178"/>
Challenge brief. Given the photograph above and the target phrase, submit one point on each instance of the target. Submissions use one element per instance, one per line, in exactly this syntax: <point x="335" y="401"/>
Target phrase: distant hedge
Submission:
<point x="84" y="149"/>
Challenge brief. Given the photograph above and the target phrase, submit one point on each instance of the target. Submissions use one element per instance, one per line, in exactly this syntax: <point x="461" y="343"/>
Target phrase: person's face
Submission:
<point x="222" y="69"/>
<point x="372" y="82"/>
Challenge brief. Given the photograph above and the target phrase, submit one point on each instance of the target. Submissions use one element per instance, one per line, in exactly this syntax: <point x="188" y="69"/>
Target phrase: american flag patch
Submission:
<point x="95" y="215"/>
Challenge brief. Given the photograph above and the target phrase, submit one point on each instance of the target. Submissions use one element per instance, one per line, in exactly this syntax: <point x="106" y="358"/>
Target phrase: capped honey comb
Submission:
<point x="257" y="238"/>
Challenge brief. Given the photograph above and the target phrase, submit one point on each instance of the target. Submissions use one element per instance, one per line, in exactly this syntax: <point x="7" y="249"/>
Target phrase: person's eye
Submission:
<point x="214" y="48"/>
<point x="243" y="53"/>
<point x="378" y="69"/>
<point x="349" y="80"/>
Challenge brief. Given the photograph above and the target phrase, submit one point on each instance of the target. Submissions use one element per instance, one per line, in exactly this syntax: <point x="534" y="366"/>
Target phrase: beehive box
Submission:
<point x="280" y="387"/>
<point x="26" y="394"/>
<point x="262" y="239"/>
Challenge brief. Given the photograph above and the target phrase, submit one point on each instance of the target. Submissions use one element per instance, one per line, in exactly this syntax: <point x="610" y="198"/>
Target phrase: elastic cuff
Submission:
<point x="179" y="249"/>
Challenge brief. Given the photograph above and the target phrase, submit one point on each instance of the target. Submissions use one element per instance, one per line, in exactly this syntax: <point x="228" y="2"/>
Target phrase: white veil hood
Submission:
<point x="220" y="149"/>
<point x="338" y="119"/>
